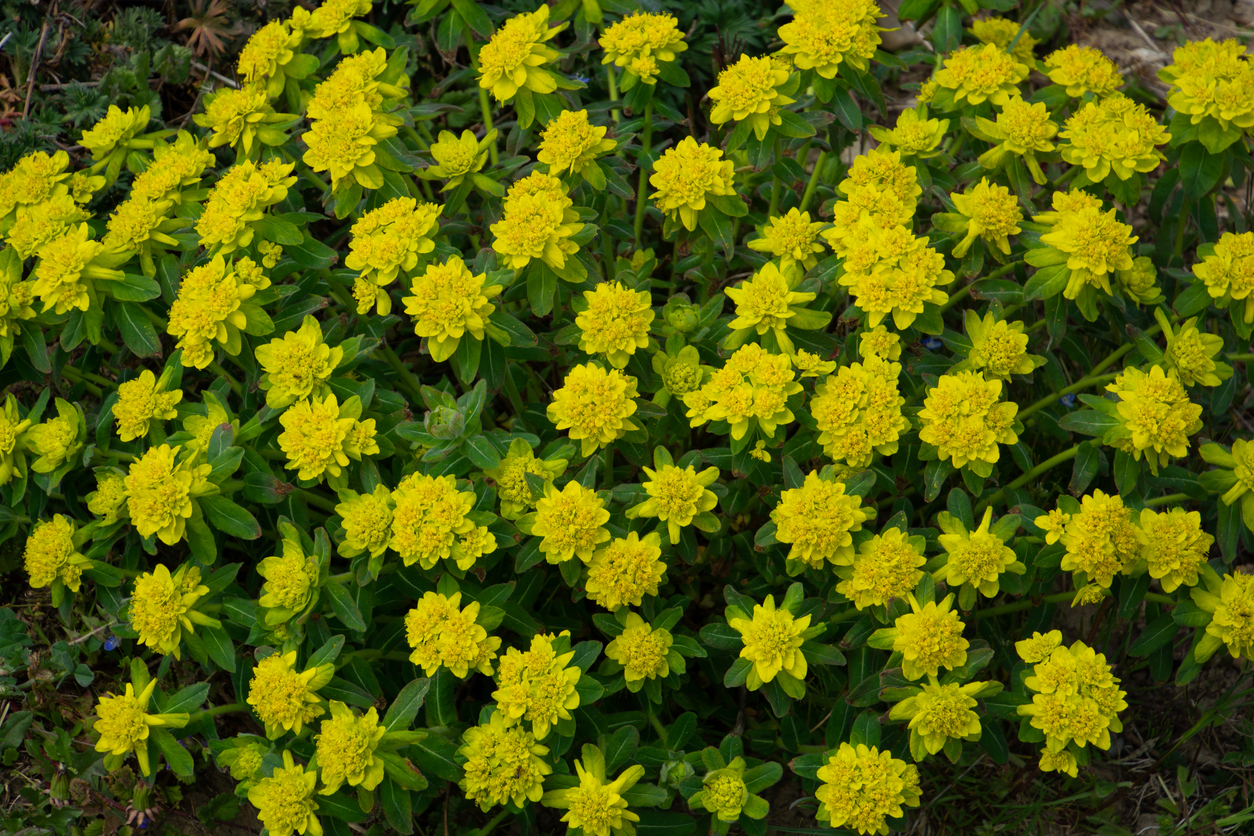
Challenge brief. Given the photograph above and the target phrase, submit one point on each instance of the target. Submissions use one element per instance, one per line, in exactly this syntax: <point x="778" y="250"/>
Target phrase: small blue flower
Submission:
<point x="932" y="343"/>
<point x="585" y="79"/>
<point x="1067" y="400"/>
<point x="111" y="643"/>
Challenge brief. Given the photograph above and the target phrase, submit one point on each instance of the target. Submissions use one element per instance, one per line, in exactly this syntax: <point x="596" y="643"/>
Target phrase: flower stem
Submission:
<point x="484" y="107"/>
<point x="608" y="464"/>
<point x="1082" y="383"/>
<point x="645" y="163"/>
<point x="217" y="369"/>
<point x="76" y="376"/>
<point x="1064" y="456"/>
<point x="319" y="501"/>
<point x="1165" y="500"/>
<point x="613" y="85"/>
<point x="958" y="296"/>
<point x="407" y="377"/>
<point x="777" y="185"/>
<point x="217" y="710"/>
<point x="657" y="727"/>
<point x="814" y="181"/>
<point x="491" y="825"/>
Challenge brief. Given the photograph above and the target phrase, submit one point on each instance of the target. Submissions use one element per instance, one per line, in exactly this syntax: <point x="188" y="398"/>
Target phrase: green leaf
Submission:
<point x="947" y="31"/>
<point x="229" y="518"/>
<point x="179" y="759"/>
<point x="663" y="823"/>
<point x="404" y="708"/>
<point x="137" y="332"/>
<point x="134" y="288"/>
<point x="187" y="700"/>
<point x="1088" y="422"/>
<point x="1157" y="633"/>
<point x="1084" y="469"/>
<point x="397" y="807"/>
<point x="1199" y="170"/>
<point x="220" y="647"/>
<point x="435" y="755"/>
<point x="1046" y="282"/>
<point x="344" y="606"/>
<point x="847" y="110"/>
<point x="442" y="705"/>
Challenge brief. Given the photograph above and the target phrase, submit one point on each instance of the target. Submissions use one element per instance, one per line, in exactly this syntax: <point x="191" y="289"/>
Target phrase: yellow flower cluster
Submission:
<point x="570" y="522"/>
<point x="504" y="764"/>
<point x="572" y="143"/>
<point x="1230" y="603"/>
<point x="430" y="523"/>
<point x="284" y="699"/>
<point x="297" y="365"/>
<point x="687" y="176"/>
<point x="644" y="652"/>
<point x="750" y="90"/>
<point x="818" y="519"/>
<point x="751" y="390"/>
<point x="985" y="73"/>
<point x="772" y="643"/>
<point x="1000" y="32"/>
<point x="642" y="44"/>
<point x="1227" y="270"/>
<point x="161" y="488"/>
<point x="888" y="565"/>
<point x="863" y="787"/>
<point x="594" y="406"/>
<point x="448" y="302"/>
<point x="1210" y="82"/>
<point x="1083" y="69"/>
<point x="320" y="436"/>
<point x="238" y="200"/>
<point x="163" y="606"/>
<point x="964" y="417"/>
<point x="515" y="57"/>
<point x="822" y="35"/>
<point x="615" y="322"/>
<point x="1114" y="135"/>
<point x="625" y="570"/>
<point x="1156" y="414"/>
<point x="442" y="635"/>
<point x="792" y="238"/>
<point x="51" y="555"/>
<point x="209" y="310"/>
<point x="537" y="685"/>
<point x="387" y="241"/>
<point x="929" y="638"/>
<point x="539" y="223"/>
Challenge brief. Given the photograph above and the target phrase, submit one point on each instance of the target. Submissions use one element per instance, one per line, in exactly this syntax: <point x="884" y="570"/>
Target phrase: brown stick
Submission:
<point x="34" y="65"/>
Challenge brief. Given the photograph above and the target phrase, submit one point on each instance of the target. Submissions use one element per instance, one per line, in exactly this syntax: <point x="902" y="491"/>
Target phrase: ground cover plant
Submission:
<point x="629" y="419"/>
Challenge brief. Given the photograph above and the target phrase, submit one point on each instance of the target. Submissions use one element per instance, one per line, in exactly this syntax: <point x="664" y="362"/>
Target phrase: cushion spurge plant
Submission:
<point x="570" y="416"/>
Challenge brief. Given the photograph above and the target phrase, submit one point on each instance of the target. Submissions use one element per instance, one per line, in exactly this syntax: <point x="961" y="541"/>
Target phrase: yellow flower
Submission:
<point x="1230" y="602"/>
<point x="981" y="73"/>
<point x="57" y="440"/>
<point x="724" y="793"/>
<point x="318" y="435"/>
<point x="267" y="56"/>
<point x="792" y="238"/>
<point x="539" y="223"/>
<point x="642" y="43"/>
<point x="141" y="225"/>
<point x="1083" y="69"/>
<point x="15" y="297"/>
<point x="283" y="699"/>
<point x="1208" y="82"/>
<point x="597" y="806"/>
<point x="680" y="372"/>
<point x="1175" y="546"/>
<point x="772" y="641"/>
<point x="163" y="606"/>
<point x="114" y="132"/>
<point x="335" y="18"/>
<point x="36" y="177"/>
<point x="51" y="556"/>
<point x="571" y="523"/>
<point x="678" y="496"/>
<point x="1156" y="414"/>
<point x="1039" y="647"/>
<point x="346" y="749"/>
<point x="202" y="427"/>
<point x="457" y="157"/>
<point x="1021" y="130"/>
<point x="1191" y="354"/>
<point x="767" y="304"/>
<point x="385" y="242"/>
<point x="999" y="348"/>
<point x="1228" y="272"/>
<point x="965" y="419"/>
<point x="753" y="388"/>
<point x="880" y="195"/>
<point x="174" y="166"/>
<point x="976" y="560"/>
<point x="1000" y="32"/>
<point x="448" y="303"/>
<point x="1091" y="244"/>
<point x="430" y="514"/>
<point x="1077" y="701"/>
<point x="1063" y="761"/>
<point x="108" y="500"/>
<point x="443" y="635"/>
<point x="1053" y="524"/>
<point x="914" y="135"/>
<point x="929" y="638"/>
<point x="809" y="365"/>
<point x="343" y="142"/>
<point x="886" y="566"/>
<point x="285" y="802"/>
<point x="503" y="764"/>
<point x="510" y="476"/>
<point x="643" y="651"/>
<point x="822" y="35"/>
<point x="1113" y="135"/>
<point x="160" y="492"/>
<point x="44" y="223"/>
<point x="140" y="402"/>
<point x="69" y="268"/>
<point x="571" y="142"/>
<point x="123" y="723"/>
<point x="537" y="685"/>
<point x="991" y="213"/>
<point x="291" y="578"/>
<point x="594" y="406"/>
<point x="367" y="521"/>
<point x="941" y="713"/>
<point x="879" y="342"/>
<point x="863" y="787"/>
<point x="749" y="90"/>
<point x="891" y="271"/>
<point x="515" y="57"/>
<point x="615" y="322"/>
<point x="625" y="570"/>
<point x="238" y="200"/>
<point x="241" y="116"/>
<point x="1101" y="540"/>
<point x="208" y="310"/>
<point x="686" y="176"/>
<point x="297" y="365"/>
<point x="819" y="519"/>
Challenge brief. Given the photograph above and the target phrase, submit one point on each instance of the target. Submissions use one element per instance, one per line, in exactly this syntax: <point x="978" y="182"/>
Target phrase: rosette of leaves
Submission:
<point x="682" y="647"/>
<point x="755" y="776"/>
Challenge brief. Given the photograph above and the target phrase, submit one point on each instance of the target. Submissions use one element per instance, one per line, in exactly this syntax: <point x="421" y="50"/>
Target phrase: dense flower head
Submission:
<point x="108" y="500"/>
<point x="1101" y="540"/>
<point x="792" y="238"/>
<point x="1230" y="602"/>
<point x="538" y="223"/>
<point x="818" y="519"/>
<point x="1022" y="130"/>
<point x="1095" y="243"/>
<point x="510" y="478"/>
<point x="992" y="214"/>
<point x="447" y="303"/>
<point x="677" y="496"/>
<point x="615" y="322"/>
<point x="285" y="802"/>
<point x="1156" y="414"/>
<point x="124" y="724"/>
<point x="356" y="80"/>
<point x="161" y="488"/>
<point x="429" y="518"/>
<point x="767" y="304"/>
<point x="642" y="650"/>
<point x="207" y="311"/>
<point x="879" y="343"/>
<point x="1115" y="135"/>
<point x="35" y="178"/>
<point x="975" y="560"/>
<point x="749" y="90"/>
<point x="335" y="17"/>
<point x="346" y="744"/>
<point x="116" y="129"/>
<point x="266" y="56"/>
<point x="571" y="143"/>
<point x="571" y="523"/>
<point x="51" y="555"/>
<point x="444" y="634"/>
<point x="44" y="223"/>
<point x="625" y="570"/>
<point x="641" y="42"/>
<point x="724" y="793"/>
<point x="998" y="347"/>
<point x="162" y="607"/>
<point x="594" y="406"/>
<point x="1077" y="699"/>
<point x="1210" y="80"/>
<point x="888" y="565"/>
<point x="880" y="193"/>
<point x="940" y="713"/>
<point x="174" y="167"/>
<point x="69" y="267"/>
<point x="320" y="436"/>
<point x="54" y="441"/>
<point x="283" y="698"/>
<point x="142" y="401"/>
<point x="1191" y="353"/>
<point x="291" y="579"/>
<point x="929" y="638"/>
<point x="1083" y="69"/>
<point x="981" y="73"/>
<point x="1000" y="31"/>
<point x="822" y="35"/>
<point x="1141" y="281"/>
<point x="752" y="389"/>
<point x="863" y="787"/>
<point x="504" y="764"/>
<point x="456" y="157"/>
<point x="890" y="271"/>
<point x="367" y="521"/>
<point x="239" y="199"/>
<point x="346" y="123"/>
<point x="1228" y="272"/>
<point x="596" y="805"/>
<point x="915" y="135"/>
<point x="1175" y="548"/>
<point x="965" y="418"/>
<point x="235" y="116"/>
<point x="537" y="685"/>
<point x="385" y="242"/>
<point x="772" y="641"/>
<point x="297" y="365"/>
<point x="686" y="175"/>
<point x="515" y="57"/>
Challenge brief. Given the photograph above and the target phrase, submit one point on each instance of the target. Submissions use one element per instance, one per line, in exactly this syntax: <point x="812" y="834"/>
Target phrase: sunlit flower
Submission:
<point x="752" y="389"/>
<point x="297" y="365"/>
<point x="642" y="43"/>
<point x="503" y="764"/>
<point x="889" y="565"/>
<point x="448" y="302"/>
<point x="164" y="605"/>
<point x="318" y="435"/>
<point x="161" y="492"/>
<point x="512" y="486"/>
<point x="819" y="519"/>
<point x="56" y="441"/>
<point x="914" y="134"/>
<point x="792" y="238"/>
<point x="457" y="157"/>
<point x="1230" y="603"/>
<point x="267" y="57"/>
<point x="1191" y="354"/>
<point x="1083" y="69"/>
<point x="724" y="793"/>
<point x="44" y="223"/>
<point x="644" y="651"/>
<point x="238" y="200"/>
<point x="767" y="304"/>
<point x="822" y="35"/>
<point x="863" y="787"/>
<point x="1228" y="272"/>
<point x="387" y="241"/>
<point x="976" y="560"/>
<point x="772" y="642"/>
<point x="1101" y="540"/>
<point x="284" y="699"/>
<point x="686" y="175"/>
<point x="749" y="90"/>
<point x="571" y="142"/>
<point x="999" y="348"/>
<point x="142" y="401"/>
<point x="1175" y="546"/>
<point x="367" y="521"/>
<point x="965" y="418"/>
<point x="1001" y="31"/>
<point x="615" y="322"/>
<point x="677" y="497"/>
<point x="108" y="500"/>
<point x="346" y="749"/>
<point x="929" y="638"/>
<point x="429" y="517"/>
<point x="443" y="634"/>
<point x="539" y="223"/>
<point x="285" y="802"/>
<point x="981" y="73"/>
<point x="1113" y="135"/>
<point x="69" y="268"/>
<point x="1156" y="414"/>
<point x="594" y="406"/>
<point x="175" y="166"/>
<point x="51" y="556"/>
<point x="1021" y="130"/>
<point x="597" y="806"/>
<point x="991" y="213"/>
<point x="571" y="523"/>
<point x="242" y="116"/>
<point x="114" y="132"/>
<point x="123" y="724"/>
<point x="625" y="570"/>
<point x="940" y="713"/>
<point x="537" y="685"/>
<point x="208" y="311"/>
<point x="291" y="579"/>
<point x="515" y="57"/>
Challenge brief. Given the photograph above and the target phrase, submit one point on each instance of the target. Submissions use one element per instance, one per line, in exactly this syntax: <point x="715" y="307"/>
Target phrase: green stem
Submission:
<point x="613" y="85"/>
<point x="777" y="185"/>
<point x="77" y="377"/>
<point x="319" y="502"/>
<point x="645" y="163"/>
<point x="957" y="297"/>
<point x="1240" y="358"/>
<point x="217" y="369"/>
<point x="657" y="727"/>
<point x="217" y="710"/>
<point x="1083" y="383"/>
<point x="814" y="180"/>
<point x="103" y="381"/>
<point x="1165" y="500"/>
<point x="484" y="106"/>
<point x="491" y="825"/>
<point x="407" y="377"/>
<point x="1178" y="249"/>
<point x="1064" y="456"/>
<point x="608" y="464"/>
